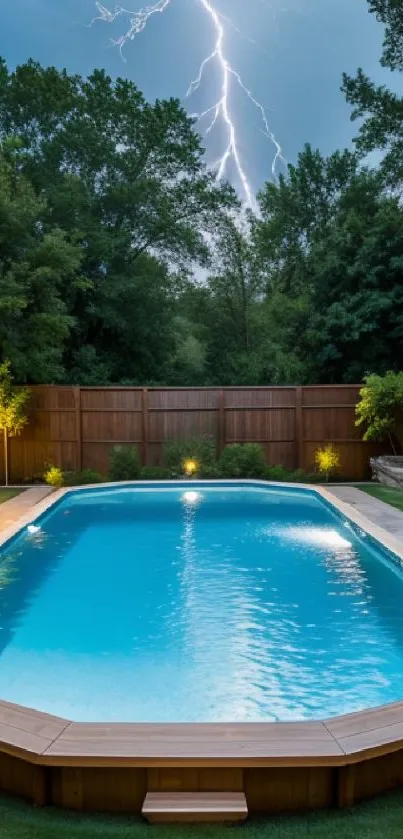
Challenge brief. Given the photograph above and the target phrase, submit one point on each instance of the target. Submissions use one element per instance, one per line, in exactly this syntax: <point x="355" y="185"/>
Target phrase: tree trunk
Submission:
<point x="5" y="457"/>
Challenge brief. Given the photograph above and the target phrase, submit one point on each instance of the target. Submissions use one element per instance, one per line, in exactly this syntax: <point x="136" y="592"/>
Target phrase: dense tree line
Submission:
<point x="121" y="259"/>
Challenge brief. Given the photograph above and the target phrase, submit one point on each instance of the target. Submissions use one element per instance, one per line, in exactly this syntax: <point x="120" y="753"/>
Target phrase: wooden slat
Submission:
<point x="28" y="730"/>
<point x="371" y="730"/>
<point x="79" y="455"/>
<point x="195" y="807"/>
<point x="35" y="722"/>
<point x="181" y="744"/>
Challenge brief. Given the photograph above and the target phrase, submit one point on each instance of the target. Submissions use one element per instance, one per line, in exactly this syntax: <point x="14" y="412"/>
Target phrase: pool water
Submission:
<point x="198" y="603"/>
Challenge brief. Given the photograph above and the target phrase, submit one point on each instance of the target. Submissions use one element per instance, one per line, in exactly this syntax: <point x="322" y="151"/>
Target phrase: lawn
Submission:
<point x="394" y="497"/>
<point x="383" y="817"/>
<point x="6" y="493"/>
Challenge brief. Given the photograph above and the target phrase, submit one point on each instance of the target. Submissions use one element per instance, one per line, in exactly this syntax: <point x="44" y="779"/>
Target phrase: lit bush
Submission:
<point x="178" y="452"/>
<point x="327" y="461"/>
<point x="54" y="477"/>
<point x="242" y="460"/>
<point x="124" y="464"/>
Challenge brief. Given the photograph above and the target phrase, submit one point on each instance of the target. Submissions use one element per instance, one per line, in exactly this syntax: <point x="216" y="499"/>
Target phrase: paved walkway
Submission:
<point x="12" y="510"/>
<point x="379" y="513"/>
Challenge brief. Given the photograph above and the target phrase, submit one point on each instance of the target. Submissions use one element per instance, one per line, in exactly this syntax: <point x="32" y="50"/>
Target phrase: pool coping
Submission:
<point x="44" y="740"/>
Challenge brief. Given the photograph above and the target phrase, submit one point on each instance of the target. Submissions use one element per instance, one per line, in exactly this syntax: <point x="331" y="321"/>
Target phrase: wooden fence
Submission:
<point x="75" y="427"/>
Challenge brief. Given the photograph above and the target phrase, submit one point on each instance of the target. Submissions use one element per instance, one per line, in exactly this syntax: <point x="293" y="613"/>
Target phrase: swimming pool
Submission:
<point x="198" y="602"/>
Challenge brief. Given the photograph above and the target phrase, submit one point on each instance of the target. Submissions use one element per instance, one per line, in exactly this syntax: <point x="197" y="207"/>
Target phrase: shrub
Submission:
<point x="327" y="461"/>
<point x="276" y="473"/>
<point x="210" y="472"/>
<point x="155" y="473"/>
<point x="242" y="460"/>
<point x="87" y="476"/>
<point x="177" y="452"/>
<point x="313" y="478"/>
<point x="298" y="476"/>
<point x="124" y="464"/>
<point x="54" y="477"/>
<point x="380" y="409"/>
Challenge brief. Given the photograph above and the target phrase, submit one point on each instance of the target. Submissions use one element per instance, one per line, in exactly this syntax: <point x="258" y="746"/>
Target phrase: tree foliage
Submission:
<point x="13" y="403"/>
<point x="380" y="109"/>
<point x="380" y="409"/>
<point x="123" y="261"/>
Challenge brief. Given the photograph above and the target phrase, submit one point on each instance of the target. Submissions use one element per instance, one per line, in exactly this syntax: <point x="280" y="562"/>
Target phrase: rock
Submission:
<point x="388" y="471"/>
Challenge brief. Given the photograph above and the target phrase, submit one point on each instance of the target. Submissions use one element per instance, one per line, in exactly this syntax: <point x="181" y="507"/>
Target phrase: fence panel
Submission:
<point x="75" y="428"/>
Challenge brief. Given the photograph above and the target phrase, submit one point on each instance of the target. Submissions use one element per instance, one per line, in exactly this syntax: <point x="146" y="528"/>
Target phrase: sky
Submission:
<point x="290" y="55"/>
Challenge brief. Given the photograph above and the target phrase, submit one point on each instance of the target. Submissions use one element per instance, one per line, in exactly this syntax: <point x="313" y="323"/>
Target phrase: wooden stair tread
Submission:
<point x="195" y="806"/>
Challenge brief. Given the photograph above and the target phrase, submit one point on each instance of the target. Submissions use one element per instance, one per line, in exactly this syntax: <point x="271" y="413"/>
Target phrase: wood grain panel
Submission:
<point x="21" y="778"/>
<point x="259" y="397"/>
<point x="331" y="424"/>
<point x="52" y="398"/>
<point x="181" y="425"/>
<point x="281" y="454"/>
<point x="330" y="395"/>
<point x="181" y="400"/>
<point x="28" y="460"/>
<point x="375" y="776"/>
<point x="262" y="425"/>
<point x="63" y="426"/>
<point x="114" y="790"/>
<point x="111" y="399"/>
<point x="96" y="456"/>
<point x="172" y="779"/>
<point x="284" y="790"/>
<point x="113" y="426"/>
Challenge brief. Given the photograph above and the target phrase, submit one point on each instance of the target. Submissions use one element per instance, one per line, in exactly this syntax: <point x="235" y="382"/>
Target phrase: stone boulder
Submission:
<point x="388" y="470"/>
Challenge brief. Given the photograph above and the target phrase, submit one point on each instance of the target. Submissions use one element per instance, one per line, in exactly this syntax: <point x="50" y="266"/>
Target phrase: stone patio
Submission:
<point x="377" y="512"/>
<point x="21" y="505"/>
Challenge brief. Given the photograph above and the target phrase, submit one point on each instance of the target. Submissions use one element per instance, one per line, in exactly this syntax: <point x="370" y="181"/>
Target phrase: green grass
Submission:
<point x="394" y="497"/>
<point x="6" y="493"/>
<point x="373" y="820"/>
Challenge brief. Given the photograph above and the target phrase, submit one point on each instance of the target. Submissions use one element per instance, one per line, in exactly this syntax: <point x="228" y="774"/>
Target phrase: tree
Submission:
<point x="357" y="302"/>
<point x="39" y="271"/>
<point x="13" y="404"/>
<point x="123" y="192"/>
<point x="380" y="409"/>
<point x="294" y="213"/>
<point x="380" y="109"/>
<point x="233" y="306"/>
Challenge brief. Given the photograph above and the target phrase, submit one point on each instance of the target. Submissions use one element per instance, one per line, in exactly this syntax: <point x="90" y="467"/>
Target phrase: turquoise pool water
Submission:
<point x="198" y="603"/>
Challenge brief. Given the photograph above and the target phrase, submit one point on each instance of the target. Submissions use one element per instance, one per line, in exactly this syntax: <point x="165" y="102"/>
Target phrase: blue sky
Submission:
<point x="294" y="67"/>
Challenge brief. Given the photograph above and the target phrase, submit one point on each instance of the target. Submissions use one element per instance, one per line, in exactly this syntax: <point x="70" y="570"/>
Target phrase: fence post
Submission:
<point x="144" y="426"/>
<point x="77" y="404"/>
<point x="299" y="431"/>
<point x="221" y="423"/>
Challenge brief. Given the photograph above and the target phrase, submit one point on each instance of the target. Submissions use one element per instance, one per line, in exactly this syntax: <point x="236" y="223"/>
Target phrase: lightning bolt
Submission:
<point x="220" y="112"/>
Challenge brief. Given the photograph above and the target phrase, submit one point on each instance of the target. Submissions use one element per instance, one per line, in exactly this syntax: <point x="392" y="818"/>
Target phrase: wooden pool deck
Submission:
<point x="276" y="766"/>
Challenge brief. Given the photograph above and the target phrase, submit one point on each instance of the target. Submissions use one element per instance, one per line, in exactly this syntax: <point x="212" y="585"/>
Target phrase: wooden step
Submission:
<point x="195" y="807"/>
